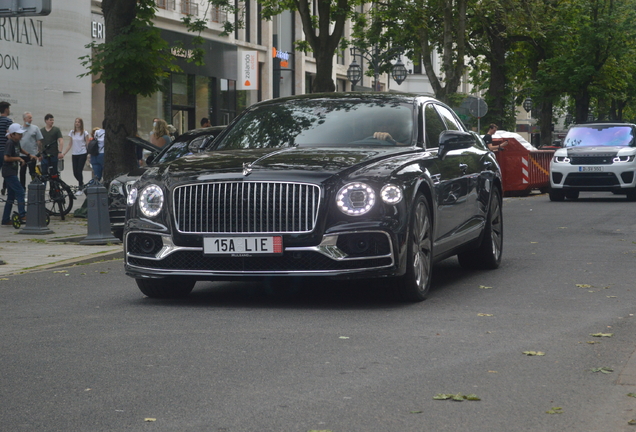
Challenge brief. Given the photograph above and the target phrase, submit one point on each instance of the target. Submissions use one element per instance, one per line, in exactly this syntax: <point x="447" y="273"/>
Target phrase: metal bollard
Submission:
<point x="98" y="221"/>
<point x="36" y="212"/>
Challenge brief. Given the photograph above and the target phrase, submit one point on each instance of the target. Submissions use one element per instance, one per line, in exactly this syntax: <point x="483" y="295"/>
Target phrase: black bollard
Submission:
<point x="36" y="212"/>
<point x="97" y="215"/>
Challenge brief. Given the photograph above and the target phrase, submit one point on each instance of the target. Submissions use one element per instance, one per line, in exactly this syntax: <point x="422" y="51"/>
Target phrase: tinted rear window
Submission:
<point x="610" y="135"/>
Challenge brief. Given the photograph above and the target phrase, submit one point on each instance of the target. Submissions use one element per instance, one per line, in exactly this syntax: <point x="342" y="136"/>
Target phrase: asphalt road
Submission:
<point x="83" y="350"/>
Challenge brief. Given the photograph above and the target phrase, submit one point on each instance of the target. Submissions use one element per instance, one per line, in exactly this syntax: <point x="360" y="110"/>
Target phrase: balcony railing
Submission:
<point x="189" y="7"/>
<point x="166" y="4"/>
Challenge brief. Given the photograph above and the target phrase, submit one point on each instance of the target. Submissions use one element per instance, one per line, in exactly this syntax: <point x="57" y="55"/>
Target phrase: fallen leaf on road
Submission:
<point x="555" y="410"/>
<point x="603" y="369"/>
<point x="601" y="334"/>
<point x="456" y="397"/>
<point x="632" y="422"/>
<point x="534" y="353"/>
<point x="631" y="395"/>
<point x="484" y="287"/>
<point x="583" y="286"/>
<point x="59" y="271"/>
<point x="343" y="337"/>
<point x="4" y="279"/>
<point x="484" y="314"/>
<point x="150" y="419"/>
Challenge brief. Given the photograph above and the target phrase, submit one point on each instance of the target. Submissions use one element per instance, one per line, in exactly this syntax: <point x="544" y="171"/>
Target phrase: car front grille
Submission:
<point x="591" y="179"/>
<point x="592" y="160"/>
<point x="246" y="207"/>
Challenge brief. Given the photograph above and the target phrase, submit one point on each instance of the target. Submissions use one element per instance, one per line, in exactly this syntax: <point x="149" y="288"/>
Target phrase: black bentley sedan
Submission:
<point x="187" y="143"/>
<point x="349" y="185"/>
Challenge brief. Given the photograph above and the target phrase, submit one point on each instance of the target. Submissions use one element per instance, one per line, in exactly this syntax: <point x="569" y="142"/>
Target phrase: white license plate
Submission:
<point x="591" y="169"/>
<point x="243" y="246"/>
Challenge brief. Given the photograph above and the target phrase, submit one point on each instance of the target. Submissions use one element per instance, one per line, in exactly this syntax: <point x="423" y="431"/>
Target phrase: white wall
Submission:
<point x="40" y="64"/>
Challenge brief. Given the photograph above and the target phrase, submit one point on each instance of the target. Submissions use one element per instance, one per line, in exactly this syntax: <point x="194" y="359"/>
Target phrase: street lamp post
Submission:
<point x="376" y="60"/>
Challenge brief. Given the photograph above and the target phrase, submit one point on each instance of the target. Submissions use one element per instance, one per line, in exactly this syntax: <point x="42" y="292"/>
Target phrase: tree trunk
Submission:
<point x="582" y="105"/>
<point x="324" y="69"/>
<point x="545" y="120"/>
<point x="496" y="95"/>
<point x="120" y="110"/>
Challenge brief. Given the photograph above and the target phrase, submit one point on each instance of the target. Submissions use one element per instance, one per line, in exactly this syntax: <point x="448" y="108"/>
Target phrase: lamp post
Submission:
<point x="376" y="60"/>
<point x="527" y="105"/>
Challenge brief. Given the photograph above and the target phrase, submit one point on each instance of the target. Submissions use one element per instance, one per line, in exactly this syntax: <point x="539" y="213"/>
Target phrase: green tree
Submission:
<point x="132" y="61"/>
<point x="323" y="29"/>
<point x="424" y="28"/>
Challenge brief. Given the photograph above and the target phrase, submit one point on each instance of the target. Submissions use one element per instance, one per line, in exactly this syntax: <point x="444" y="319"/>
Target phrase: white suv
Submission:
<point x="595" y="157"/>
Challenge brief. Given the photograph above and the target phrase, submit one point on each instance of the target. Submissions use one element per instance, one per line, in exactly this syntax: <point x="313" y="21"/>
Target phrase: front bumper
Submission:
<point x="357" y="253"/>
<point x="593" y="178"/>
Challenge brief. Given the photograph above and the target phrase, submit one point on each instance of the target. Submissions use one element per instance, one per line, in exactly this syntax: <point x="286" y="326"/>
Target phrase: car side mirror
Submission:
<point x="454" y="140"/>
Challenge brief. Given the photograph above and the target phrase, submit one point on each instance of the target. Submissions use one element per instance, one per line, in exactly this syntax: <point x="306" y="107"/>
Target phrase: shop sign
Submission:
<point x="282" y="55"/>
<point x="248" y="70"/>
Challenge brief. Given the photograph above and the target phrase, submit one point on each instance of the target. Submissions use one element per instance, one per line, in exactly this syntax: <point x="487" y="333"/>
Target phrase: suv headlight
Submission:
<point x="355" y="199"/>
<point x="561" y="159"/>
<point x="150" y="200"/>
<point x="623" y="159"/>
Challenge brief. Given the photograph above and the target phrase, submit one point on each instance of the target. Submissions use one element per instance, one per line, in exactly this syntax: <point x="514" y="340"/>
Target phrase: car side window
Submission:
<point x="434" y="126"/>
<point x="451" y="122"/>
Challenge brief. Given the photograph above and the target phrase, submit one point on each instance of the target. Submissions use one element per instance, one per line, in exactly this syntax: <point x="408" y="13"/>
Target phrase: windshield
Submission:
<point x="609" y="135"/>
<point x="321" y="122"/>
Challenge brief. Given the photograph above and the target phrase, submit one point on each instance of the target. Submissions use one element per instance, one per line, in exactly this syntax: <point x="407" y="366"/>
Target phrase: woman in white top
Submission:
<point x="78" y="138"/>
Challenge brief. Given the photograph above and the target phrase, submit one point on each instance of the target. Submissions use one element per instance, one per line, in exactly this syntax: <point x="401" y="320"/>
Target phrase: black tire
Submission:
<point x="631" y="194"/>
<point x="165" y="288"/>
<point x="60" y="198"/>
<point x="572" y="195"/>
<point x="487" y="256"/>
<point x="416" y="283"/>
<point x="556" y="194"/>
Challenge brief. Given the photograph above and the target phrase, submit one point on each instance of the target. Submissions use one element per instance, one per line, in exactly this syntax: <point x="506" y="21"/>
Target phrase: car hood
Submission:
<point x="309" y="164"/>
<point x="596" y="151"/>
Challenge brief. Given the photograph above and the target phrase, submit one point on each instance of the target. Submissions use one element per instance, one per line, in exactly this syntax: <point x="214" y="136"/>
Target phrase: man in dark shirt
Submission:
<point x="10" y="168"/>
<point x="52" y="141"/>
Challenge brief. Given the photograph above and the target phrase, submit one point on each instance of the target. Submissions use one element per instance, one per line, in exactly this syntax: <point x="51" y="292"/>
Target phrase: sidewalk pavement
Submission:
<point x="31" y="252"/>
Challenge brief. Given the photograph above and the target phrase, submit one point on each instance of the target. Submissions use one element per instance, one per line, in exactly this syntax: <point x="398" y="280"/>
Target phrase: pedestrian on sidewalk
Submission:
<point x="52" y="142"/>
<point x="78" y="139"/>
<point x="97" y="162"/>
<point x="10" y="169"/>
<point x="5" y="121"/>
<point x="30" y="142"/>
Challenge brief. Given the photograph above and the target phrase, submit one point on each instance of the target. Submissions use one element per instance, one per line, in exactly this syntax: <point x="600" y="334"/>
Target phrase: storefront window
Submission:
<point x="202" y="97"/>
<point x="149" y="108"/>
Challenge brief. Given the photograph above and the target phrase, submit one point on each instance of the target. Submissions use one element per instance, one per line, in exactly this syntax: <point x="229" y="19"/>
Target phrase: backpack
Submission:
<point x="93" y="147"/>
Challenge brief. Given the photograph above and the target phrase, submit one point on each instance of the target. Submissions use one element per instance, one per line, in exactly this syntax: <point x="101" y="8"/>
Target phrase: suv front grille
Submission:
<point x="591" y="179"/>
<point x="592" y="160"/>
<point x="246" y="207"/>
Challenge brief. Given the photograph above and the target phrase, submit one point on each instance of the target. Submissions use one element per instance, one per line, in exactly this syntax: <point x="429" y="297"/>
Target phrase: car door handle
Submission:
<point x="463" y="168"/>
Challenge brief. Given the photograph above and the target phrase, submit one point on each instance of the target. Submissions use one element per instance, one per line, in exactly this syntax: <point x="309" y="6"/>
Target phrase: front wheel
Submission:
<point x="556" y="194"/>
<point x="60" y="199"/>
<point x="631" y="194"/>
<point x="169" y="287"/>
<point x="487" y="256"/>
<point x="415" y="284"/>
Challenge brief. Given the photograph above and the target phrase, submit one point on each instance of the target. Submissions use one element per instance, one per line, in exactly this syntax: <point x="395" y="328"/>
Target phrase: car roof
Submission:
<point x="370" y="96"/>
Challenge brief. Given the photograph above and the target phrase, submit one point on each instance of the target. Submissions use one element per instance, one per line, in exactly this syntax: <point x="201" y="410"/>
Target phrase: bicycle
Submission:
<point x="59" y="201"/>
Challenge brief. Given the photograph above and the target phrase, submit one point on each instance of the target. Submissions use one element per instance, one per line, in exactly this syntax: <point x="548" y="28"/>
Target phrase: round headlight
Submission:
<point x="391" y="194"/>
<point x="151" y="200"/>
<point x="355" y="199"/>
<point x="132" y="196"/>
